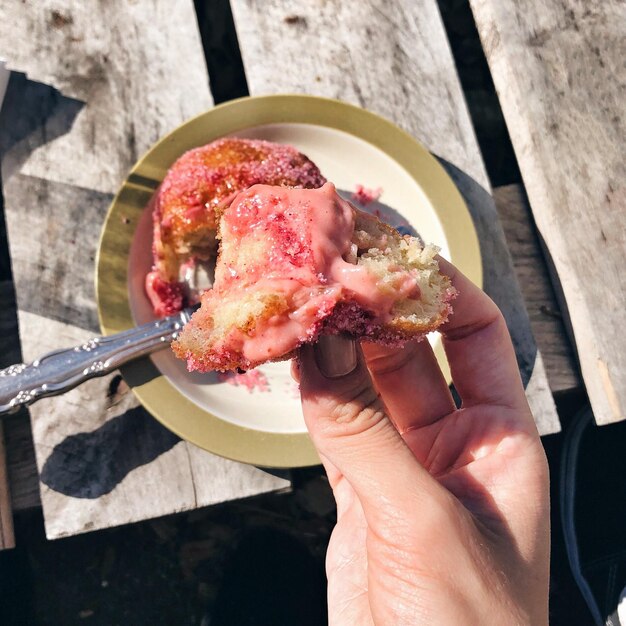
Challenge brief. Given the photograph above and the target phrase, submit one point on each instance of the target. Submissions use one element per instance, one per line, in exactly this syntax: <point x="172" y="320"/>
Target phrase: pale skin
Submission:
<point x="442" y="513"/>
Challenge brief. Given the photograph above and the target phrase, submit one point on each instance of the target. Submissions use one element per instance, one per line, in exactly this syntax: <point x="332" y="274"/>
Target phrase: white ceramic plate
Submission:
<point x="268" y="399"/>
<point x="256" y="417"/>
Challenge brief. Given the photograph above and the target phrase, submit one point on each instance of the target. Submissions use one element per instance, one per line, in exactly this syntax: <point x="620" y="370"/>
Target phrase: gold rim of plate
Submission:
<point x="153" y="390"/>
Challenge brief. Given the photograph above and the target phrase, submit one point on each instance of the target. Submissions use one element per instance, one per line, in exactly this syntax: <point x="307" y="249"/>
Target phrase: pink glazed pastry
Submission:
<point x="294" y="263"/>
<point x="199" y="183"/>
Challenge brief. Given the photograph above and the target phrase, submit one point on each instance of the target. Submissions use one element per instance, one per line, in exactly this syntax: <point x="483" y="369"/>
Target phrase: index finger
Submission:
<point x="479" y="348"/>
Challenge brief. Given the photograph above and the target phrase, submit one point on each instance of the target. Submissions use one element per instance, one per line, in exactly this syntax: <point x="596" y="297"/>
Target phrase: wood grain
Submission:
<point x="394" y="59"/>
<point x="137" y="66"/>
<point x="18" y="439"/>
<point x="544" y="312"/>
<point x="390" y="57"/>
<point x="101" y="82"/>
<point x="22" y="466"/>
<point x="559" y="71"/>
<point x="7" y="352"/>
<point x="7" y="536"/>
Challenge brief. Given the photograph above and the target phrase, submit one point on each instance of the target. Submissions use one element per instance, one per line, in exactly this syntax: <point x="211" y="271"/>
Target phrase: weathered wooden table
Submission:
<point x="94" y="85"/>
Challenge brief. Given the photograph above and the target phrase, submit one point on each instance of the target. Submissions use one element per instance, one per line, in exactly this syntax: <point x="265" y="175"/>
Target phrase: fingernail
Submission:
<point x="335" y="355"/>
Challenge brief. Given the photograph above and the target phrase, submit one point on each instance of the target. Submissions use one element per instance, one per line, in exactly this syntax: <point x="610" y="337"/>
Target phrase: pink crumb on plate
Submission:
<point x="254" y="380"/>
<point x="365" y="196"/>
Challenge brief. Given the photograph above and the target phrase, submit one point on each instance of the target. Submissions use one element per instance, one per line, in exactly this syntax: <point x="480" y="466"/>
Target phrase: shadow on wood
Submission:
<point x="32" y="114"/>
<point x="91" y="464"/>
<point x="499" y="280"/>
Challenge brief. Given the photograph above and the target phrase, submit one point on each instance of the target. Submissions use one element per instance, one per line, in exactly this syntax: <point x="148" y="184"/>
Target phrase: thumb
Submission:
<point x="349" y="426"/>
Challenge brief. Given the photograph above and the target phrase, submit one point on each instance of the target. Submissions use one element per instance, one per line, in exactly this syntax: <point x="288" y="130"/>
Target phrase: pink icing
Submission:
<point x="365" y="196"/>
<point x="306" y="233"/>
<point x="166" y="297"/>
<point x="208" y="177"/>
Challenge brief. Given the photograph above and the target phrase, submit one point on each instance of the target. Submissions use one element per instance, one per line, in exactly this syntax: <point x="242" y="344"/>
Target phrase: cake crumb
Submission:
<point x="364" y="195"/>
<point x="253" y="380"/>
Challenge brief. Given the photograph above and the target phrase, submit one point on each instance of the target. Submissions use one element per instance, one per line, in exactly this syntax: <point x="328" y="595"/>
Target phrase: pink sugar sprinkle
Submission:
<point x="365" y="196"/>
<point x="293" y="389"/>
<point x="254" y="380"/>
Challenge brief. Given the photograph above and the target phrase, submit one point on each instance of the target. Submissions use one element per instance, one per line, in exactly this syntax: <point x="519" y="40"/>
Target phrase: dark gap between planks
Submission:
<point x="5" y="261"/>
<point x="480" y="93"/>
<point x="227" y="77"/>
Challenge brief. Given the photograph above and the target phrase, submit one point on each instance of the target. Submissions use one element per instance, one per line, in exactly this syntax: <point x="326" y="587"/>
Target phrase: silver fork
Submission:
<point x="59" y="371"/>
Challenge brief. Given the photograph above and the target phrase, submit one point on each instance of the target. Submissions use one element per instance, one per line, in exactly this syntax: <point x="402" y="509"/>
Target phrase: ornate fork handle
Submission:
<point x="62" y="370"/>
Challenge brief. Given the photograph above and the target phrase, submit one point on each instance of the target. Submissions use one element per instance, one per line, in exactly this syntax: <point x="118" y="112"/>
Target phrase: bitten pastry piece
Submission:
<point x="295" y="263"/>
<point x="199" y="183"/>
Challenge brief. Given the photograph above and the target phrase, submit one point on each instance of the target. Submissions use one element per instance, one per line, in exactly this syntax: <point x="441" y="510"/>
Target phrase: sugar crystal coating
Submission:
<point x="295" y="263"/>
<point x="198" y="185"/>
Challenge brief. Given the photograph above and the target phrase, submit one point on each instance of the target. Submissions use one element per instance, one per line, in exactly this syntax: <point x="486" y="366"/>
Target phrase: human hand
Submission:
<point x="442" y="513"/>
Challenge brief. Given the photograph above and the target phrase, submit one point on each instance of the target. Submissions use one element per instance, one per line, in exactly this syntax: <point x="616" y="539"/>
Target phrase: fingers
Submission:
<point x="410" y="383"/>
<point x="346" y="563"/>
<point x="479" y="349"/>
<point x="480" y="353"/>
<point x="351" y="431"/>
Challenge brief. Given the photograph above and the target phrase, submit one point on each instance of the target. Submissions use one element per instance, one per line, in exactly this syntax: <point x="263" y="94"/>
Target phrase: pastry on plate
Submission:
<point x="200" y="182"/>
<point x="294" y="263"/>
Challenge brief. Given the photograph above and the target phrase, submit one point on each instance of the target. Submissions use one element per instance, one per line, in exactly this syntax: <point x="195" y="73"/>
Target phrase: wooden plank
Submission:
<point x="7" y="535"/>
<point x="390" y="57"/>
<point x="137" y="66"/>
<point x="22" y="466"/>
<point x="4" y="80"/>
<point x="393" y="58"/>
<point x="559" y="71"/>
<point x="545" y="315"/>
<point x="103" y="82"/>
<point x="20" y="454"/>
